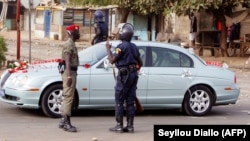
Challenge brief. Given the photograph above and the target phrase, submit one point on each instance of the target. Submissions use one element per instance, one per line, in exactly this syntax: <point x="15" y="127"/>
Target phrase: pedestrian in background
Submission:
<point x="71" y="62"/>
<point x="193" y="29"/>
<point x="101" y="28"/>
<point x="128" y="61"/>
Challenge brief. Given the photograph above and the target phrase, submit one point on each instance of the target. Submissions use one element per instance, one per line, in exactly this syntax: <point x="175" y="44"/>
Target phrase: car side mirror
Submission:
<point x="107" y="64"/>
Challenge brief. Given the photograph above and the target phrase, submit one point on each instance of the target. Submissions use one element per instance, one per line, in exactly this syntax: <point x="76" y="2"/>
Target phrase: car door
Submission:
<point x="169" y="76"/>
<point x="82" y="85"/>
<point x="95" y="84"/>
<point x="102" y="83"/>
<point x="142" y="81"/>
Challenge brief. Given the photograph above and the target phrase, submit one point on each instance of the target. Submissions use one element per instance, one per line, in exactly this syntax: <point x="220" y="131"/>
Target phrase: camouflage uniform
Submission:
<point x="68" y="92"/>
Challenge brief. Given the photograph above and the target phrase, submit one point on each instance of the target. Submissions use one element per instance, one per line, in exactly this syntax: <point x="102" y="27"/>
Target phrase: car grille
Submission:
<point x="12" y="98"/>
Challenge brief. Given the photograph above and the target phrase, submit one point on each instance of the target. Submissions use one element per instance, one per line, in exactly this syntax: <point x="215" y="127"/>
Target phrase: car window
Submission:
<point x="142" y="51"/>
<point x="186" y="61"/>
<point x="163" y="57"/>
<point x="174" y="58"/>
<point x="92" y="54"/>
<point x="155" y="57"/>
<point x="159" y="57"/>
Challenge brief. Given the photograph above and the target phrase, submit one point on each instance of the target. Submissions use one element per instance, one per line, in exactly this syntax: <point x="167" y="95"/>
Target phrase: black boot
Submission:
<point x="130" y="127"/>
<point x="61" y="122"/>
<point x="67" y="125"/>
<point x="119" y="126"/>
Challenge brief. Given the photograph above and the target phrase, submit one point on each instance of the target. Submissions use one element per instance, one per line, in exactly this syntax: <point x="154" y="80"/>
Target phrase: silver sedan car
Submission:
<point x="172" y="77"/>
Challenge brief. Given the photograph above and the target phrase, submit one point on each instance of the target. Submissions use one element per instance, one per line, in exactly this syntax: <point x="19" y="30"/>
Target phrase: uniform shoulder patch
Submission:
<point x="118" y="50"/>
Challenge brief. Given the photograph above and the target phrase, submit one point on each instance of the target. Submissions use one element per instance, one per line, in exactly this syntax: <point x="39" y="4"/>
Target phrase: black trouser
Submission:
<point x="125" y="90"/>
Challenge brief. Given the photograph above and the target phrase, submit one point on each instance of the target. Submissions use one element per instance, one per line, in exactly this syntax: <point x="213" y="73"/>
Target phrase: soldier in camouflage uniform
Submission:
<point x="70" y="56"/>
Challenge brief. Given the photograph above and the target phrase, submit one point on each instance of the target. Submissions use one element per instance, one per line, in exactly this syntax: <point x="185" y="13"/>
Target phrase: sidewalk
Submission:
<point x="41" y="48"/>
<point x="25" y="37"/>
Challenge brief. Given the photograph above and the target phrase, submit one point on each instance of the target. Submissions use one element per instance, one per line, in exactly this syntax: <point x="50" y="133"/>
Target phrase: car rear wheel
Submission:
<point x="198" y="101"/>
<point x="52" y="101"/>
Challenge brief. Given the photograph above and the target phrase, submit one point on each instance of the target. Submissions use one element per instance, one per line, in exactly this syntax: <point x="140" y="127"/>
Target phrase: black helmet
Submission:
<point x="98" y="16"/>
<point x="126" y="32"/>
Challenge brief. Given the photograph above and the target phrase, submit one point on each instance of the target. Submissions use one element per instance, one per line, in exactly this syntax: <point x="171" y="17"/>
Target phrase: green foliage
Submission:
<point x="143" y="7"/>
<point x="89" y="2"/>
<point x="185" y="6"/>
<point x="3" y="49"/>
<point x="147" y="7"/>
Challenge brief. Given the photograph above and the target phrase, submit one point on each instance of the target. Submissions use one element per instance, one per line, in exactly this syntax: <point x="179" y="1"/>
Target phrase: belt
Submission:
<point x="132" y="68"/>
<point x="123" y="71"/>
<point x="126" y="69"/>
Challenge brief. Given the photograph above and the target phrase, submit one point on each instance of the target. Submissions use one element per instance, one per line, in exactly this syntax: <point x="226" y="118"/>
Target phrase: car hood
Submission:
<point x="38" y="69"/>
<point x="33" y="74"/>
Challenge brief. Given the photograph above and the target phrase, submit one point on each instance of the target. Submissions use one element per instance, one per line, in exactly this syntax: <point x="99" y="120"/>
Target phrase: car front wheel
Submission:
<point x="198" y="101"/>
<point x="52" y="101"/>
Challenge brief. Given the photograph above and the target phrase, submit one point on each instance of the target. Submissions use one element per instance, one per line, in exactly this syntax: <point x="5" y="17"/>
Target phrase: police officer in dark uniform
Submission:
<point x="101" y="28"/>
<point x="128" y="61"/>
<point x="70" y="63"/>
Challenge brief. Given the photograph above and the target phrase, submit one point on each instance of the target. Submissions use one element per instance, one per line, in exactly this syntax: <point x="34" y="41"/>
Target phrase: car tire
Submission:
<point x="198" y="101"/>
<point x="52" y="101"/>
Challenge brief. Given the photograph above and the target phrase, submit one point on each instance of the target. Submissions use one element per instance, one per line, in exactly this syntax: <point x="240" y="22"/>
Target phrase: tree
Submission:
<point x="141" y="7"/>
<point x="218" y="8"/>
<point x="3" y="49"/>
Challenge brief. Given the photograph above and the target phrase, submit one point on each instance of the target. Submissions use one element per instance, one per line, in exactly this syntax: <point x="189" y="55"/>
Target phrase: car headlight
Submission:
<point x="20" y="80"/>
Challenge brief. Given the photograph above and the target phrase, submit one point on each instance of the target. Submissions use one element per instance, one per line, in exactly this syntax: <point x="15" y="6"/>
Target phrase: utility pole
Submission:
<point x="18" y="28"/>
<point x="30" y="5"/>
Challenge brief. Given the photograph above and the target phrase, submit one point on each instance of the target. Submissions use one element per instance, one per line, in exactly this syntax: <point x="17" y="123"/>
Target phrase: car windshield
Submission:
<point x="92" y="54"/>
